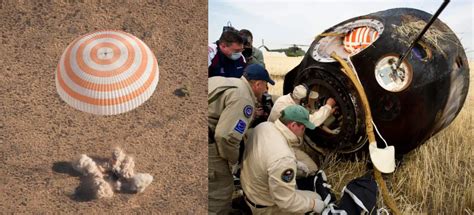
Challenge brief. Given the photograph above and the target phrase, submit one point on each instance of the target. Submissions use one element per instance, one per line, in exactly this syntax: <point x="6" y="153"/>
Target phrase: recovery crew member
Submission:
<point x="269" y="167"/>
<point x="231" y="105"/>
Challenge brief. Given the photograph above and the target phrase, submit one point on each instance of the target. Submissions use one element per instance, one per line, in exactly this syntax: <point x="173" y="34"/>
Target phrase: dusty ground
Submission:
<point x="40" y="134"/>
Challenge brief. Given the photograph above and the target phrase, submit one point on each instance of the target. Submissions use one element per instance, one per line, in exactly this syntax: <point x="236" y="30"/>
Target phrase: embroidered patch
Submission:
<point x="248" y="110"/>
<point x="288" y="175"/>
<point x="240" y="127"/>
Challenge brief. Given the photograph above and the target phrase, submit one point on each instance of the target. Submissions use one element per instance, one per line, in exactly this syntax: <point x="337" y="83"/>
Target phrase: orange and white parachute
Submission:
<point x="107" y="73"/>
<point x="359" y="38"/>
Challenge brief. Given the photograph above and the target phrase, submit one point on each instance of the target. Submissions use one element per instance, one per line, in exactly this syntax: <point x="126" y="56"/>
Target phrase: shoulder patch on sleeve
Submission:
<point x="248" y="110"/>
<point x="240" y="126"/>
<point x="288" y="175"/>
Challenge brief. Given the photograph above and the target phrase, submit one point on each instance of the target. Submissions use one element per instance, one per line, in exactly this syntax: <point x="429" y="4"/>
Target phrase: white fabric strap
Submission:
<point x="326" y="185"/>
<point x="377" y="130"/>
<point x="324" y="175"/>
<point x="327" y="199"/>
<point x="330" y="208"/>
<point x="383" y="211"/>
<point x="356" y="199"/>
<point x="314" y="182"/>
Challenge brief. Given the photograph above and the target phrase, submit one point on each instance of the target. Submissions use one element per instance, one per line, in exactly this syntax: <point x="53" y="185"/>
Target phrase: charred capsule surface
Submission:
<point x="408" y="105"/>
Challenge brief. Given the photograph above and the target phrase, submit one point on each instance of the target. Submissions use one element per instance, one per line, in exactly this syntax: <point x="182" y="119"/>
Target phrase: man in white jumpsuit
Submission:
<point x="293" y="98"/>
<point x="231" y="104"/>
<point x="306" y="165"/>
<point x="269" y="167"/>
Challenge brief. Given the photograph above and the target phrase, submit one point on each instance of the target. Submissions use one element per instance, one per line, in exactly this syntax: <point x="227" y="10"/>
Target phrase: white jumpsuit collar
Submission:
<point x="287" y="133"/>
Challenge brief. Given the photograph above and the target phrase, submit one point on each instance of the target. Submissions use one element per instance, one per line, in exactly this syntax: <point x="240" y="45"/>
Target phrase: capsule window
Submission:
<point x="347" y="39"/>
<point x="359" y="38"/>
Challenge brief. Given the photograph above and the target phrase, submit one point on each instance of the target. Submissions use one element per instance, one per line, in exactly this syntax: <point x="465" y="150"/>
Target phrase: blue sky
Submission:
<point x="282" y="23"/>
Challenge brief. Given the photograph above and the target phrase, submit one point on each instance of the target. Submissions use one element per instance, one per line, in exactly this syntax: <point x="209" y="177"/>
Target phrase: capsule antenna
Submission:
<point x="433" y="18"/>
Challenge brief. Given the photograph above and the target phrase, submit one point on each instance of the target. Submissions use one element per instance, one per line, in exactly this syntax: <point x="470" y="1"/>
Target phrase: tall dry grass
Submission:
<point x="436" y="178"/>
<point x="278" y="64"/>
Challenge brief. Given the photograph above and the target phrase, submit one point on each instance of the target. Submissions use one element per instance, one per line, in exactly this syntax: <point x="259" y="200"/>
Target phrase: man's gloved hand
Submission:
<point x="336" y="131"/>
<point x="322" y="187"/>
<point x="318" y="206"/>
<point x="300" y="166"/>
<point x="331" y="102"/>
<point x="259" y="112"/>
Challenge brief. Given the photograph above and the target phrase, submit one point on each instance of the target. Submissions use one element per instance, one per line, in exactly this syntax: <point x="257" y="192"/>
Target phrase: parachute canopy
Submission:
<point x="107" y="73"/>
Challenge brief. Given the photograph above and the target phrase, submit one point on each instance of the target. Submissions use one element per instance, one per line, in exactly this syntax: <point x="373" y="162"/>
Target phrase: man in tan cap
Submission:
<point x="231" y="105"/>
<point x="269" y="167"/>
<point x="306" y="165"/>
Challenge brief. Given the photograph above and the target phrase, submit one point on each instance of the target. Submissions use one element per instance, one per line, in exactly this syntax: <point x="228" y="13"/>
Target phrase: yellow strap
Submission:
<point x="370" y="130"/>
<point x="331" y="34"/>
<point x="368" y="115"/>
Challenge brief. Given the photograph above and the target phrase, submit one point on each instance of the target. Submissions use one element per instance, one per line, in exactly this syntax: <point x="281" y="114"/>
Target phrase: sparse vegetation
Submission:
<point x="436" y="178"/>
<point x="278" y="64"/>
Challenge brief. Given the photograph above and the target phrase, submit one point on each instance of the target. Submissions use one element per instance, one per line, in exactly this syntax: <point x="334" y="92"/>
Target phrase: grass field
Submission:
<point x="278" y="64"/>
<point x="436" y="178"/>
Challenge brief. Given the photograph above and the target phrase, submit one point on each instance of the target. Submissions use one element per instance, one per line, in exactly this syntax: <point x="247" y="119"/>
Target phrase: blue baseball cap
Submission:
<point x="257" y="72"/>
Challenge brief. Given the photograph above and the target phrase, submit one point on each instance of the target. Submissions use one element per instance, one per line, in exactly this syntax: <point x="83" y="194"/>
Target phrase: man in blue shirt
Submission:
<point x="225" y="56"/>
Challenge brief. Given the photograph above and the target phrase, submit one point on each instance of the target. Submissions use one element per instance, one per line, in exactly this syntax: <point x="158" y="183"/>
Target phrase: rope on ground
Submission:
<point x="370" y="131"/>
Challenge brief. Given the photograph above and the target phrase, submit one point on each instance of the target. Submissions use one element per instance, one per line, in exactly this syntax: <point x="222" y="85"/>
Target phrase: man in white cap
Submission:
<point x="293" y="98"/>
<point x="269" y="167"/>
<point x="300" y="92"/>
<point x="306" y="165"/>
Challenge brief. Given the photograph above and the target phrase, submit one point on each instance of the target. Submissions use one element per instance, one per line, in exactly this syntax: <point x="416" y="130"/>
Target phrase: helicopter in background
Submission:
<point x="293" y="51"/>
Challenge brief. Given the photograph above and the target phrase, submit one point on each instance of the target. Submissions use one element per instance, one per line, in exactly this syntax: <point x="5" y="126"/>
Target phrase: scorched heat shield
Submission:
<point x="408" y="106"/>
